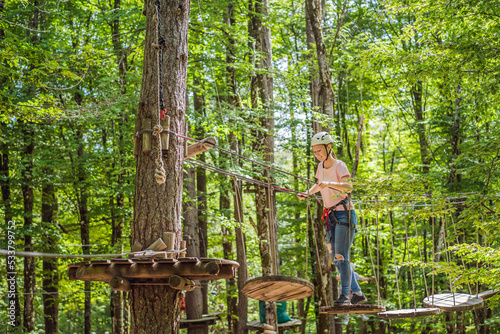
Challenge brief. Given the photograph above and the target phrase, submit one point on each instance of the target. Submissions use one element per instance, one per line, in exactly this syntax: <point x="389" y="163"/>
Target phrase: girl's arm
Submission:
<point x="343" y="185"/>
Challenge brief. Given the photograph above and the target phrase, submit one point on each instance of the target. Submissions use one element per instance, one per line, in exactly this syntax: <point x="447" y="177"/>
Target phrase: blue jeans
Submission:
<point x="338" y="242"/>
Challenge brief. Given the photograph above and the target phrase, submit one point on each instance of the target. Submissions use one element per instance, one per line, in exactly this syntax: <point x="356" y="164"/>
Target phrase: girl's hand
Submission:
<point x="301" y="196"/>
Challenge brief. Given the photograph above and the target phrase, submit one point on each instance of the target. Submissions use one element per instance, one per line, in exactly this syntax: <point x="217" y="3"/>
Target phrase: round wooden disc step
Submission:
<point x="409" y="313"/>
<point x="277" y="288"/>
<point x="351" y="309"/>
<point x="453" y="302"/>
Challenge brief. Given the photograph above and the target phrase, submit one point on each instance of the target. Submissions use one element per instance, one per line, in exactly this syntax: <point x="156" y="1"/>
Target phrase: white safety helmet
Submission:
<point x="321" y="138"/>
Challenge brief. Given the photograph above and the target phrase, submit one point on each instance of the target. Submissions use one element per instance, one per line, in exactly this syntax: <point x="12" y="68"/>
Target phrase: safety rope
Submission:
<point x="160" y="175"/>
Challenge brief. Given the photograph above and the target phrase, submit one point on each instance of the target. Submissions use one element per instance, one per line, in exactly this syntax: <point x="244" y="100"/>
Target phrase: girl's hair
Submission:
<point x="331" y="151"/>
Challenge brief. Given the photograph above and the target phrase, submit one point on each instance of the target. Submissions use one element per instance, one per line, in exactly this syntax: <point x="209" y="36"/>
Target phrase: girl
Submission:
<point x="339" y="215"/>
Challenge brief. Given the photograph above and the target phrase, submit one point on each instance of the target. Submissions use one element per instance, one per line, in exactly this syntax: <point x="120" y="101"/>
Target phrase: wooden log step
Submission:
<point x="450" y="302"/>
<point x="352" y="309"/>
<point x="277" y="288"/>
<point x="409" y="313"/>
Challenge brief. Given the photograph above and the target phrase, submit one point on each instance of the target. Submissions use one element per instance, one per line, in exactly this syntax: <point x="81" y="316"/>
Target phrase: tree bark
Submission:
<point x="262" y="97"/>
<point x="326" y="94"/>
<point x="50" y="271"/>
<point x="157" y="207"/>
<point x="29" y="262"/>
<point x="358" y="145"/>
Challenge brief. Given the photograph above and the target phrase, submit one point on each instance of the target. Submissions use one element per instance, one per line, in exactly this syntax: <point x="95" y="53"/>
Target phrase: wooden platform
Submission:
<point x="352" y="309"/>
<point x="409" y="313"/>
<point x="277" y="288"/>
<point x="453" y="302"/>
<point x="138" y="270"/>
<point x="487" y="294"/>
<point x="256" y="325"/>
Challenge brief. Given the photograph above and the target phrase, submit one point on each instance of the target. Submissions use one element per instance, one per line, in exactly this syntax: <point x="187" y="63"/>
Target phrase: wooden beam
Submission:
<point x="181" y="283"/>
<point x="120" y="284"/>
<point x="200" y="147"/>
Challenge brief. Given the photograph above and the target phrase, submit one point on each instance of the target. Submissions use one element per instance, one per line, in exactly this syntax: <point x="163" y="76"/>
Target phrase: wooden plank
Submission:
<point x="351" y="309"/>
<point x="409" y="313"/>
<point x="278" y="288"/>
<point x="450" y="302"/>
<point x="200" y="147"/>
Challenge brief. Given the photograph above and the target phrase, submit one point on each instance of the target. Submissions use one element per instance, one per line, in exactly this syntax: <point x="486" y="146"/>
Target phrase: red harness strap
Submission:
<point x="326" y="211"/>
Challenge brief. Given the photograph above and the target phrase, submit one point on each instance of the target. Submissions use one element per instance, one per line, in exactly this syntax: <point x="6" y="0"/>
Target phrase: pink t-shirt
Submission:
<point x="335" y="174"/>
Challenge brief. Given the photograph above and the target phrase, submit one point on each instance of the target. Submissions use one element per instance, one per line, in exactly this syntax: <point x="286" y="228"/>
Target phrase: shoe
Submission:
<point x="342" y="300"/>
<point x="364" y="317"/>
<point x="355" y="299"/>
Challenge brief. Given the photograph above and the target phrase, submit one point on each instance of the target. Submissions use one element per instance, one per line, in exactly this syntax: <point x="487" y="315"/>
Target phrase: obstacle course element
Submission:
<point x="487" y="294"/>
<point x="409" y="313"/>
<point x="450" y="302"/>
<point x="352" y="309"/>
<point x="257" y="326"/>
<point x="277" y="288"/>
<point x="121" y="274"/>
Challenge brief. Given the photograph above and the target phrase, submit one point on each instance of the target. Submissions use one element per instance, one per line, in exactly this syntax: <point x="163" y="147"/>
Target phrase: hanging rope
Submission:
<point x="447" y="255"/>
<point x="394" y="258"/>
<point x="160" y="175"/>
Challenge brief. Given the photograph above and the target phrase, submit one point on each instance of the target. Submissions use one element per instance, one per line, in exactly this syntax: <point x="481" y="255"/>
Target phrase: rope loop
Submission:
<point x="160" y="175"/>
<point x="157" y="129"/>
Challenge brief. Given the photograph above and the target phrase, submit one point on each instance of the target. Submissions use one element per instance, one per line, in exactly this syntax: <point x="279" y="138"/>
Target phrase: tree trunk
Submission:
<point x="420" y="120"/>
<point x="262" y="89"/>
<point x="117" y="297"/>
<point x="326" y="94"/>
<point x="13" y="299"/>
<point x="194" y="299"/>
<point x="157" y="207"/>
<point x="50" y="271"/>
<point x="201" y="188"/>
<point x="358" y="145"/>
<point x="313" y="71"/>
<point x="455" y="137"/>
<point x="29" y="262"/>
<point x="81" y="189"/>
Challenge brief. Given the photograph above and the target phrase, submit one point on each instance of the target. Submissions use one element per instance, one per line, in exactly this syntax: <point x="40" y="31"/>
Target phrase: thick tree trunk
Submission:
<point x="326" y="94"/>
<point x="157" y="207"/>
<point x="194" y="299"/>
<point x="29" y="262"/>
<point x="13" y="299"/>
<point x="50" y="271"/>
<point x="262" y="89"/>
